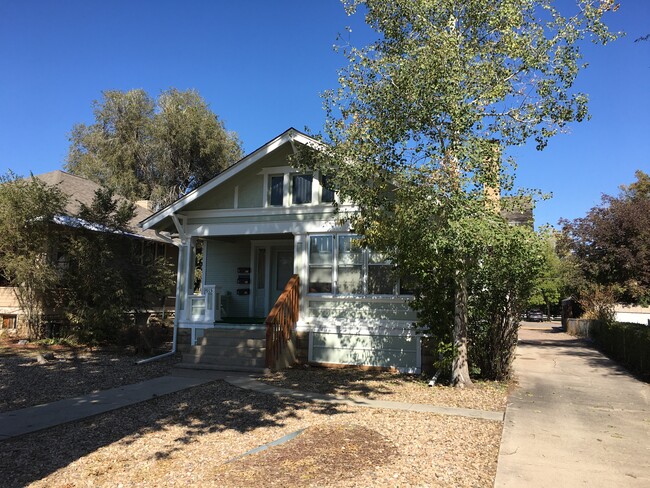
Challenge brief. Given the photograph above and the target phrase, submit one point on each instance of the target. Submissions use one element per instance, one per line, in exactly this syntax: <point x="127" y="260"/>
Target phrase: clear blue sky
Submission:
<point x="262" y="65"/>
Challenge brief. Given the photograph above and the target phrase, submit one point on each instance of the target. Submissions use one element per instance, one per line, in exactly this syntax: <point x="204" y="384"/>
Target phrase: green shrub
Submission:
<point x="625" y="342"/>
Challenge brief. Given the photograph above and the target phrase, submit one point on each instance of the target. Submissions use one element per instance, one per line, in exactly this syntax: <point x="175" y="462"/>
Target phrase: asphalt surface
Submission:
<point x="576" y="418"/>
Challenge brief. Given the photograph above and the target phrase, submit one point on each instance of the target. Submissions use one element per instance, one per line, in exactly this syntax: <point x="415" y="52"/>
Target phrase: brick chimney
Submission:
<point x="492" y="170"/>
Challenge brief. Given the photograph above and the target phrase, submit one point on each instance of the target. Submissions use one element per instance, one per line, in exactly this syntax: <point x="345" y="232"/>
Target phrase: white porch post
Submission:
<point x="181" y="278"/>
<point x="190" y="270"/>
<point x="300" y="268"/>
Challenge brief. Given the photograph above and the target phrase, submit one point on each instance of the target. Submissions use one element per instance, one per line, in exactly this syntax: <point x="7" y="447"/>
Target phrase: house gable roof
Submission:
<point x="82" y="191"/>
<point x="289" y="136"/>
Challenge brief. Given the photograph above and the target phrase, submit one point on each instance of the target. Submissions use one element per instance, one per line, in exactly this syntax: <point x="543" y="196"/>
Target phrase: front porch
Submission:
<point x="234" y="283"/>
<point x="245" y="310"/>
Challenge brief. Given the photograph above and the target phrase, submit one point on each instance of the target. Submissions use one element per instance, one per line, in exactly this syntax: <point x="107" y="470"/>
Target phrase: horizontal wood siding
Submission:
<point x="8" y="298"/>
<point x="251" y="191"/>
<point x="222" y="260"/>
<point x="249" y="181"/>
<point x="367" y="350"/>
<point x="345" y="309"/>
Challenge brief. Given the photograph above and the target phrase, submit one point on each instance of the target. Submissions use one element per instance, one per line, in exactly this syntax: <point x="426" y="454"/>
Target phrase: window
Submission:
<point x="327" y="194"/>
<point x="321" y="261"/>
<point x="338" y="264"/>
<point x="286" y="186"/>
<point x="380" y="280"/>
<point x="301" y="188"/>
<point x="8" y="321"/>
<point x="406" y="285"/>
<point x="350" y="266"/>
<point x="276" y="190"/>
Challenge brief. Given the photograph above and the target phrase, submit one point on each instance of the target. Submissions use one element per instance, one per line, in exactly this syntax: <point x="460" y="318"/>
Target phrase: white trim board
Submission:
<point x="289" y="135"/>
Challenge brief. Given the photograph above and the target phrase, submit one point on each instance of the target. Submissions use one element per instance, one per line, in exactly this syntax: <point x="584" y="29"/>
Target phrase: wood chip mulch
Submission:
<point x="201" y="436"/>
<point x="390" y="386"/>
<point x="69" y="372"/>
<point x="187" y="439"/>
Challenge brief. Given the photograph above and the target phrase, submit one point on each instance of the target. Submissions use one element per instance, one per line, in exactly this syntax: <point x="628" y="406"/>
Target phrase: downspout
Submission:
<point x="179" y="228"/>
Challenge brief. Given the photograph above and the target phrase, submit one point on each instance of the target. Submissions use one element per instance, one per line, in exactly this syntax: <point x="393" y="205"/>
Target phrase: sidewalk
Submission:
<point x="32" y="419"/>
<point x="575" y="419"/>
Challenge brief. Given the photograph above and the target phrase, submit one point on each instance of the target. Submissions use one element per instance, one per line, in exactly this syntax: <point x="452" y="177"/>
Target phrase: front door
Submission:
<point x="281" y="272"/>
<point x="273" y="268"/>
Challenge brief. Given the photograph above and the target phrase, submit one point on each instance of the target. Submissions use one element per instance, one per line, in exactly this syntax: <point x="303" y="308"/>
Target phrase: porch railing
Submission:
<point x="205" y="307"/>
<point x="281" y="322"/>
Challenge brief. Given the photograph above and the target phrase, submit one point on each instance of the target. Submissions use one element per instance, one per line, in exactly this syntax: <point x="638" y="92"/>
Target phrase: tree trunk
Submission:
<point x="460" y="369"/>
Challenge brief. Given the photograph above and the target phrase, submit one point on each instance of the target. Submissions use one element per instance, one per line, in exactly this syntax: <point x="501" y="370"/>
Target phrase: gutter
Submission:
<point x="176" y="312"/>
<point x="164" y="355"/>
<point x="168" y="240"/>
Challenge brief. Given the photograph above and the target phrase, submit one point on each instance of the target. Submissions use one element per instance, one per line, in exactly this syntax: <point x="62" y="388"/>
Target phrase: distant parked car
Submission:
<point x="535" y="315"/>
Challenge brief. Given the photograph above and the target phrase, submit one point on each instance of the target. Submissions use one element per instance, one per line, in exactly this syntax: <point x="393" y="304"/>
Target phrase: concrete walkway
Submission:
<point x="576" y="418"/>
<point x="32" y="419"/>
<point x="252" y="384"/>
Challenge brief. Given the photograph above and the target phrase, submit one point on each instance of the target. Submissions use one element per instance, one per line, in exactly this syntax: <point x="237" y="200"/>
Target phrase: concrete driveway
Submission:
<point x="575" y="418"/>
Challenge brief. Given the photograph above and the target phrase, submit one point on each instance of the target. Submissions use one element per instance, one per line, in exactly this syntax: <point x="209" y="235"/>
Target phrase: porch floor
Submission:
<point x="241" y="320"/>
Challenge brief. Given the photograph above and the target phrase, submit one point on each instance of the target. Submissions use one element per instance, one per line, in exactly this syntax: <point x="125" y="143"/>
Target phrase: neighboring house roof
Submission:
<point x="82" y="191"/>
<point x="289" y="135"/>
<point x="521" y="211"/>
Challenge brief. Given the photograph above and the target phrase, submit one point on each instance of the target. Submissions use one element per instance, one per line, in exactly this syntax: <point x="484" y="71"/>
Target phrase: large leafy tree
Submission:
<point x="146" y="149"/>
<point x="424" y="114"/>
<point x="550" y="281"/>
<point x="29" y="243"/>
<point x="610" y="246"/>
<point x="107" y="274"/>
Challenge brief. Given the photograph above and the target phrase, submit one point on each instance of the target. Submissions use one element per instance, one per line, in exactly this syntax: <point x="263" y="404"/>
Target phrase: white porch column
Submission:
<point x="181" y="278"/>
<point x="190" y="270"/>
<point x="300" y="267"/>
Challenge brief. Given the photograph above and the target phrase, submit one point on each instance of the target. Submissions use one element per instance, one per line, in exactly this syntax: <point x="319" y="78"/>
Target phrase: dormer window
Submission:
<point x="276" y="190"/>
<point x="285" y="187"/>
<point x="301" y="188"/>
<point x="327" y="194"/>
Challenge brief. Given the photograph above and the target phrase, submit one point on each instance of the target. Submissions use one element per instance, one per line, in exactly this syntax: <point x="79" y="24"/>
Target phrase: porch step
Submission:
<point x="248" y="350"/>
<point x="223" y="360"/>
<point x="231" y="342"/>
<point x="236" y="332"/>
<point x="229" y="349"/>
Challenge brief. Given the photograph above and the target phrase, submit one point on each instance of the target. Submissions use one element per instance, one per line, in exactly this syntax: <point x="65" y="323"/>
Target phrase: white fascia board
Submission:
<point x="305" y="209"/>
<point x="246" y="162"/>
<point x="251" y="229"/>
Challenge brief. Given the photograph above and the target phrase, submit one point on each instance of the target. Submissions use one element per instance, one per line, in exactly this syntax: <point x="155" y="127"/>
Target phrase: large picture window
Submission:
<point x="350" y="266"/>
<point x="321" y="262"/>
<point x="339" y="265"/>
<point x="380" y="280"/>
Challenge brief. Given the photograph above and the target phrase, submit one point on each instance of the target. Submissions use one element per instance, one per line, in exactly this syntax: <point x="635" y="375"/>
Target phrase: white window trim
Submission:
<point x="287" y="187"/>
<point x="335" y="265"/>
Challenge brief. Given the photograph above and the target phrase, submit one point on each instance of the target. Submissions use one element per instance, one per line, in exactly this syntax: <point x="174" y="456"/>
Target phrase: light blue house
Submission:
<point x="259" y="223"/>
